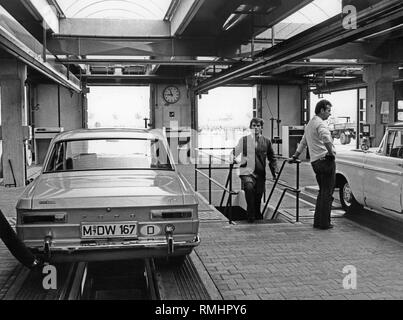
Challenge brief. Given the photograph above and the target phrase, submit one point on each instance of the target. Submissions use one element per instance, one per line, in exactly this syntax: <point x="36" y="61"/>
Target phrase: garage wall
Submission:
<point x="47" y="114"/>
<point x="164" y="113"/>
<point x="289" y="102"/>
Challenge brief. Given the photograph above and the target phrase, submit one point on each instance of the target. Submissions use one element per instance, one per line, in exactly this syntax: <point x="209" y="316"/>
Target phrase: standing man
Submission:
<point x="254" y="148"/>
<point x="319" y="140"/>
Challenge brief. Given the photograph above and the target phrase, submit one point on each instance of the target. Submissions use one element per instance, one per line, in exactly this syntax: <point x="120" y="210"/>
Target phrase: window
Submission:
<point x="396" y="149"/>
<point x="400" y="110"/>
<point x="115" y="9"/>
<point x="108" y="154"/>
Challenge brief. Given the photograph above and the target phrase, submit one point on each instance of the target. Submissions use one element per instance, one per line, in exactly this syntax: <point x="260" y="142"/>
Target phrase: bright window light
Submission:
<point x="115" y="9"/>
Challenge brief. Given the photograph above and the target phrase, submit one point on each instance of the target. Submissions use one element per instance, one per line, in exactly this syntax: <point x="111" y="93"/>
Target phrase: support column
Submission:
<point x="84" y="103"/>
<point x="13" y="74"/>
<point x="380" y="79"/>
<point x="259" y="103"/>
<point x="153" y="105"/>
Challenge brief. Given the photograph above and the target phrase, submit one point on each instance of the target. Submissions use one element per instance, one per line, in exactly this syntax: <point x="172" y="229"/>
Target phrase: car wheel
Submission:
<point x="347" y="199"/>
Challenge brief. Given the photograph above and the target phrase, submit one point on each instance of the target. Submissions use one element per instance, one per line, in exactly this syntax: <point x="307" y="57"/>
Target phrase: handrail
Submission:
<point x="231" y="193"/>
<point x="296" y="190"/>
<point x="216" y="182"/>
<point x="219" y="158"/>
<point x="225" y="188"/>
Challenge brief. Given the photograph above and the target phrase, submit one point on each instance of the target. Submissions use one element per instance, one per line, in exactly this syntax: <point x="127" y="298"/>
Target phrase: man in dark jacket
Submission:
<point x="254" y="150"/>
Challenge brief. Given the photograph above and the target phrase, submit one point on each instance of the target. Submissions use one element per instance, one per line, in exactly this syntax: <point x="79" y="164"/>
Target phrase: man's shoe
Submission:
<point x="330" y="226"/>
<point x="251" y="220"/>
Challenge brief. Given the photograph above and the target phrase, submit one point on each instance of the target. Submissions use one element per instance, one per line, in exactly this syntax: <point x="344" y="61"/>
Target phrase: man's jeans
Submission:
<point x="254" y="189"/>
<point x="325" y="170"/>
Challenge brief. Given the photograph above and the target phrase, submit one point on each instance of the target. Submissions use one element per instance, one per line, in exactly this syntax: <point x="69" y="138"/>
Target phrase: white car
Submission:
<point x="373" y="178"/>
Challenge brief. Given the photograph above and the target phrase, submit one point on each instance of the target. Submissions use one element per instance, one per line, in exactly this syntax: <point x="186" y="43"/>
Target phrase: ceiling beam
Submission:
<point x="113" y="28"/>
<point x="253" y="25"/>
<point x="184" y="14"/>
<point x="14" y="46"/>
<point x="362" y="49"/>
<point x="146" y="61"/>
<point x="324" y="36"/>
<point x="151" y="47"/>
<point x="340" y="85"/>
<point x="42" y="11"/>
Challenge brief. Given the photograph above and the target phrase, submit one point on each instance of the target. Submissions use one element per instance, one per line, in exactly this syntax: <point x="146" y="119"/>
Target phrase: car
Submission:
<point x="373" y="178"/>
<point x="108" y="194"/>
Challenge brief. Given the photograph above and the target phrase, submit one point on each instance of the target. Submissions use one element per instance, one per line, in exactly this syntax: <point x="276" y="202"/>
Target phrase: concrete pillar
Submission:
<point x="84" y="105"/>
<point x="13" y="74"/>
<point x="259" y="102"/>
<point x="380" y="79"/>
<point x="153" y="105"/>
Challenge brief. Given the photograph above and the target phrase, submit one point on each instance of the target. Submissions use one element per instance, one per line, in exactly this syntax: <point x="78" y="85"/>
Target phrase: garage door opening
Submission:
<point x="343" y="121"/>
<point x="224" y="115"/>
<point x="124" y="107"/>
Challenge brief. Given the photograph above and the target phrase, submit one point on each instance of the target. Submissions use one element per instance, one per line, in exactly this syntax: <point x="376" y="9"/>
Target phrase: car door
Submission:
<point x="384" y="174"/>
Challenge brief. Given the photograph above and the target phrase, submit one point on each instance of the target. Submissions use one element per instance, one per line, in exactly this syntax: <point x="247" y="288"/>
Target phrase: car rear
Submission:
<point x="98" y="212"/>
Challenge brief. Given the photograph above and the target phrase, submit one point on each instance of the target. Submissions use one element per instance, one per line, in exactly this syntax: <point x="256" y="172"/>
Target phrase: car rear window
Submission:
<point x="108" y="154"/>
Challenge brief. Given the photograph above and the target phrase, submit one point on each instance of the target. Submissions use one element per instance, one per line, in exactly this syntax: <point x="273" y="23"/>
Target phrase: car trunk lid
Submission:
<point x="107" y="189"/>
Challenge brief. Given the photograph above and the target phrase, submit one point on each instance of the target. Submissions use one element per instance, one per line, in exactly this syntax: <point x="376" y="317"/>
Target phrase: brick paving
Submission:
<point x="8" y="200"/>
<point x="295" y="261"/>
<point x="279" y="261"/>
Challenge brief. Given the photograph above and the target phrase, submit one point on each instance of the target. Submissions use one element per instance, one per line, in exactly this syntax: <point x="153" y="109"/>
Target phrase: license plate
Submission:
<point x="109" y="230"/>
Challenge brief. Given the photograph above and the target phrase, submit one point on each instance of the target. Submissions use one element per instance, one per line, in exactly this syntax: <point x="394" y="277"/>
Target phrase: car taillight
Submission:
<point x="29" y="218"/>
<point x="171" y="214"/>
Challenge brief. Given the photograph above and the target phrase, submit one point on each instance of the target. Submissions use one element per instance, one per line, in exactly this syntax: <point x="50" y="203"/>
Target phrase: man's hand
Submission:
<point x="331" y="156"/>
<point x="292" y="159"/>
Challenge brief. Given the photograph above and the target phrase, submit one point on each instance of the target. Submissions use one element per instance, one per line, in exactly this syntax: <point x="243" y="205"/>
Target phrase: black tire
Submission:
<point x="347" y="200"/>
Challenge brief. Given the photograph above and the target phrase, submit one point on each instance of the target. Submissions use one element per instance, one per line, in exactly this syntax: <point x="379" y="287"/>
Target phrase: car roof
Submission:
<point x="109" y="133"/>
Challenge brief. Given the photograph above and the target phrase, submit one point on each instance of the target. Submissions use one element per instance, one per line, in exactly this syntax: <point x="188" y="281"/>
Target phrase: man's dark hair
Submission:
<point x="322" y="104"/>
<point x="256" y="120"/>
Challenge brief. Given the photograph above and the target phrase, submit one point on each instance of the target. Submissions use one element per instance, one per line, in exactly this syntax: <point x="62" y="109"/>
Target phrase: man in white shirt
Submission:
<point x="254" y="150"/>
<point x="318" y="139"/>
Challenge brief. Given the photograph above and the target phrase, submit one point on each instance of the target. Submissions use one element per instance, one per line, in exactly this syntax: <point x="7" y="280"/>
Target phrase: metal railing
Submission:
<point x="287" y="187"/>
<point x="227" y="189"/>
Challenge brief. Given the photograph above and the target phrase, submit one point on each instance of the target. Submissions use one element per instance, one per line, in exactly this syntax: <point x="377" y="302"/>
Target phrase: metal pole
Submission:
<point x="44" y="26"/>
<point x="278" y="118"/>
<point x="230" y="194"/>
<point x="196" y="176"/>
<point x="297" y="197"/>
<point x="357" y="130"/>
<point x="209" y="179"/>
<point x="58" y="106"/>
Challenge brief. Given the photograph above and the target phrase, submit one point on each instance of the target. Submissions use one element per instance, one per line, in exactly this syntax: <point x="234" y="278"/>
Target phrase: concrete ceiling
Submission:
<point x="225" y="31"/>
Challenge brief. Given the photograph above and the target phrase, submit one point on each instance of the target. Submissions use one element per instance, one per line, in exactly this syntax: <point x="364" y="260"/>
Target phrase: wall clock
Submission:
<point x="171" y="94"/>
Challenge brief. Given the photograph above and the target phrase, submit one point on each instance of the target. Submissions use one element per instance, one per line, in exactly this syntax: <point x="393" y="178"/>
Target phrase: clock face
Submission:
<point x="171" y="94"/>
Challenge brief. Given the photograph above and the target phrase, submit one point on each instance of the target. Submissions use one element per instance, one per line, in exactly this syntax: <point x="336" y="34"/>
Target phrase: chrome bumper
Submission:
<point x="115" y="250"/>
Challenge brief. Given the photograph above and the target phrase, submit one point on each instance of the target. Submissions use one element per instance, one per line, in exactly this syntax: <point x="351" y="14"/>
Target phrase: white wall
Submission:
<point x="46" y="97"/>
<point x="167" y="113"/>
